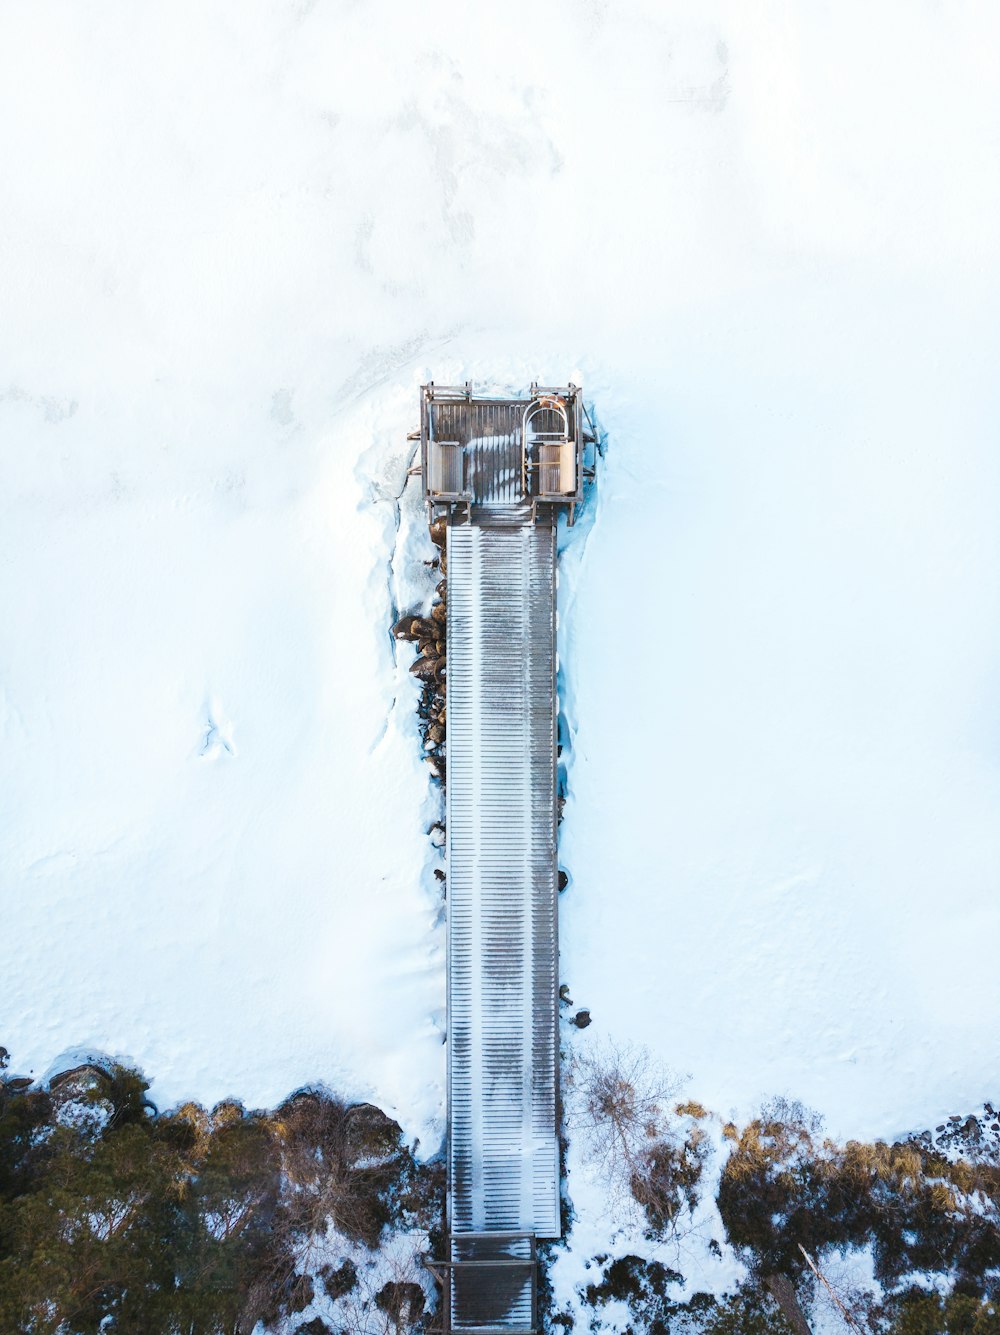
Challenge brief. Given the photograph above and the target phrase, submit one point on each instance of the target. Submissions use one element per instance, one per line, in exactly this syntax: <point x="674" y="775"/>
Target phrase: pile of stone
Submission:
<point x="430" y="633"/>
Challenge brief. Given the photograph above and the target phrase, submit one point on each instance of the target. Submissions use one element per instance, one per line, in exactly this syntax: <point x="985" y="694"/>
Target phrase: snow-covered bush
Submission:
<point x="788" y="1196"/>
<point x="115" y="1218"/>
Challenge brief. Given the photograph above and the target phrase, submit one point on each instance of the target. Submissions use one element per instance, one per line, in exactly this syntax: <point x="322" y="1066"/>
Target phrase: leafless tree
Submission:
<point x="623" y="1106"/>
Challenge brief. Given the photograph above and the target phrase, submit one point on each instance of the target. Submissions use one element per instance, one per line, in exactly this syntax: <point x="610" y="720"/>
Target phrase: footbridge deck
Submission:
<point x="500" y="470"/>
<point x="501" y="849"/>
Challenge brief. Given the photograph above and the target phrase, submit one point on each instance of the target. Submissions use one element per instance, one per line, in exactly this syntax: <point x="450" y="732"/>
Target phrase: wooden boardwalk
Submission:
<point x="493" y="466"/>
<point x="501" y="847"/>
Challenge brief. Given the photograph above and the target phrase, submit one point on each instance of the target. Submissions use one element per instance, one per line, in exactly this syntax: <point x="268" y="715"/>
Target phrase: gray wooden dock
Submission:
<point x="501" y="851"/>
<point x="501" y="469"/>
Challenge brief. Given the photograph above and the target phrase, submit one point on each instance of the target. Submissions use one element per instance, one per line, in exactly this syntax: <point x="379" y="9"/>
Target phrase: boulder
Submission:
<point x="425" y="668"/>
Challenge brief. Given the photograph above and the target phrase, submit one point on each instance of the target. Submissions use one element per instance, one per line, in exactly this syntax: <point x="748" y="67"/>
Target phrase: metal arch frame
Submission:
<point x="541" y="403"/>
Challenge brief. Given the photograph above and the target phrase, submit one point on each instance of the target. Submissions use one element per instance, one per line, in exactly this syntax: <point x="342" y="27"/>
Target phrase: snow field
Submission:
<point x="233" y="242"/>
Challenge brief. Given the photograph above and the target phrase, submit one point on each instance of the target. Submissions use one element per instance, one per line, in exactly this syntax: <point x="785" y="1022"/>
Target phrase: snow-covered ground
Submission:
<point x="234" y="239"/>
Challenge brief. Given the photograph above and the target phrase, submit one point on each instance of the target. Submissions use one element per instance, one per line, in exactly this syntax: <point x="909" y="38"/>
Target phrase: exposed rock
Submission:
<point x="424" y="668"/>
<point x="581" y="1019"/>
